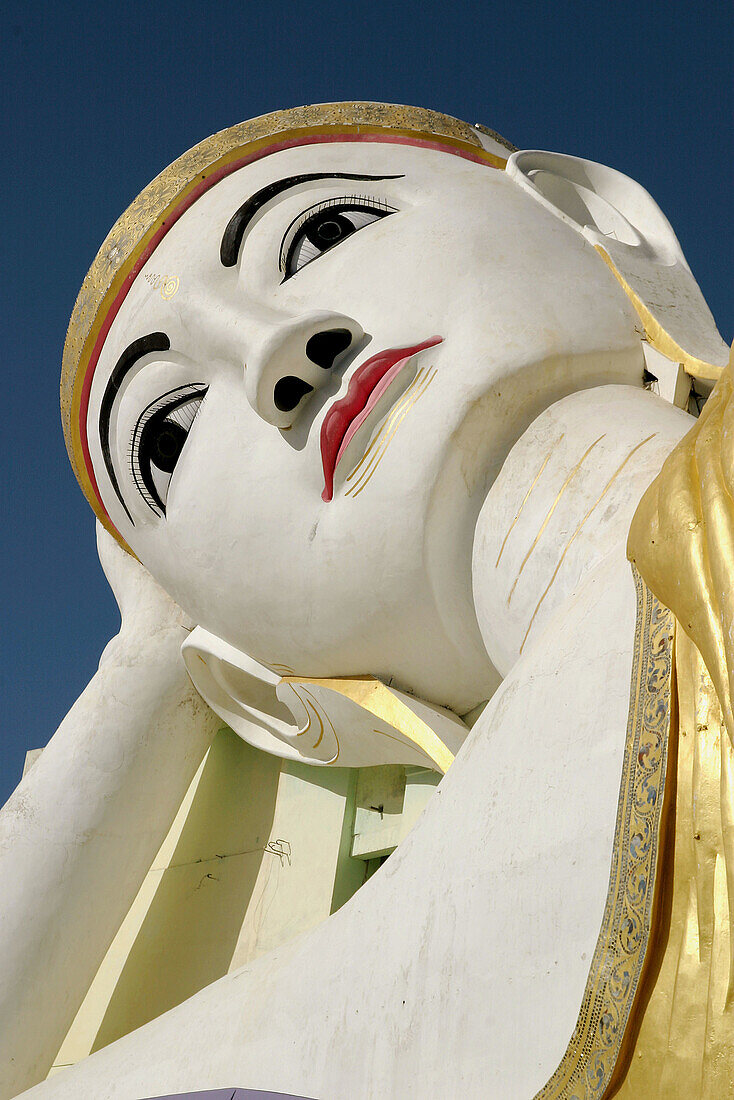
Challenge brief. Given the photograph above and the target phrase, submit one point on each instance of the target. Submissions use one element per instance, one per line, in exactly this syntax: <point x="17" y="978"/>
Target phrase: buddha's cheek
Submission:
<point x="285" y="582"/>
<point x="252" y="553"/>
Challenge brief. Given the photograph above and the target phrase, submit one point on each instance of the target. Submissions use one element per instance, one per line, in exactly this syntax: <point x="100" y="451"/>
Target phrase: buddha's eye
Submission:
<point x="158" y="440"/>
<point x="325" y="226"/>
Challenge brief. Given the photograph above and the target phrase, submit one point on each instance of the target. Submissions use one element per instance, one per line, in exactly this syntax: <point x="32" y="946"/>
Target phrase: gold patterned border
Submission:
<point x="587" y="1067"/>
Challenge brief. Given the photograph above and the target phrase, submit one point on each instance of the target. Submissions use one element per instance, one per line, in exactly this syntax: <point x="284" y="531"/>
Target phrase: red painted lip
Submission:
<point x="344" y="412"/>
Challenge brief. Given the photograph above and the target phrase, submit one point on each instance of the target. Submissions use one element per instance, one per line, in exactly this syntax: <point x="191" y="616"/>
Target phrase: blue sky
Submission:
<point x="99" y="98"/>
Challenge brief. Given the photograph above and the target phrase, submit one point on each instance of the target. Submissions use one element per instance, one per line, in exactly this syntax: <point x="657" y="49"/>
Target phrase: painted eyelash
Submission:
<point x="340" y="200"/>
<point x="182" y="394"/>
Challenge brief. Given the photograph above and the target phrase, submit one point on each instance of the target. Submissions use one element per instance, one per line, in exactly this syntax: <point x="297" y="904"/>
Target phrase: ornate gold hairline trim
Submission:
<point x="137" y="227"/>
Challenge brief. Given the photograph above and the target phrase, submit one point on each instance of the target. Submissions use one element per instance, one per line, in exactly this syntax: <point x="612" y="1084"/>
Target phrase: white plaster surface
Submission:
<point x="565" y="494"/>
<point x="506" y="871"/>
<point x="80" y="832"/>
<point x="506" y="876"/>
<point x="253" y="858"/>
<point x="458" y="970"/>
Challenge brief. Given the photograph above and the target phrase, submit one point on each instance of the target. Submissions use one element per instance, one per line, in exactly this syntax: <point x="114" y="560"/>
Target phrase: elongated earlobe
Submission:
<point x="634" y="238"/>
<point x="353" y="723"/>
<point x="242" y="692"/>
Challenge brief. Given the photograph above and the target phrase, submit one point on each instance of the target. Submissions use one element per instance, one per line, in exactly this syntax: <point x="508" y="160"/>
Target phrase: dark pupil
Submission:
<point x="164" y="444"/>
<point x="328" y="229"/>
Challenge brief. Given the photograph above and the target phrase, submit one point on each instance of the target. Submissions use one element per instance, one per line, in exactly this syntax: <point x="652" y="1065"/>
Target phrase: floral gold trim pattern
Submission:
<point x="684" y="1046"/>
<point x="682" y="542"/>
<point x="588" y="1066"/>
<point x="681" y="538"/>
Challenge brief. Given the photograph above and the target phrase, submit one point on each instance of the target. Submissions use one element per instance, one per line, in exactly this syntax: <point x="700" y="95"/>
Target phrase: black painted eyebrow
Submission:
<point x="232" y="239"/>
<point x="154" y="341"/>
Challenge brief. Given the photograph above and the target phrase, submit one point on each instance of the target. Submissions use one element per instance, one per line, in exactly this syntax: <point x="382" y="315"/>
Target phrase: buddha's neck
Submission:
<point x="562" y="503"/>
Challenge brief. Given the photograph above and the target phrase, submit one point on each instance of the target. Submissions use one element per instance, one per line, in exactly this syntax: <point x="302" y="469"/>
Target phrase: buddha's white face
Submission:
<point x="314" y="407"/>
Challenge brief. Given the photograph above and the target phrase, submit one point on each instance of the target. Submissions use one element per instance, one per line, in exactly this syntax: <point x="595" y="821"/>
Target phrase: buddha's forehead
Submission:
<point x="413" y="168"/>
<point x="419" y="163"/>
<point x="185" y="275"/>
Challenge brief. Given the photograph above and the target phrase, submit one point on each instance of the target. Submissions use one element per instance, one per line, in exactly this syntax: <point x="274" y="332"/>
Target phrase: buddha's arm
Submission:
<point x="83" y="827"/>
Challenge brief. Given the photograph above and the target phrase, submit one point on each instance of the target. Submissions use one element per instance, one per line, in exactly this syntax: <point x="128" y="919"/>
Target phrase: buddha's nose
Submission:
<point x="294" y="360"/>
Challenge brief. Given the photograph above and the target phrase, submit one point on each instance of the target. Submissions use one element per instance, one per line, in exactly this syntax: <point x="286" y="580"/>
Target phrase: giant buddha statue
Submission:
<point x="392" y="435"/>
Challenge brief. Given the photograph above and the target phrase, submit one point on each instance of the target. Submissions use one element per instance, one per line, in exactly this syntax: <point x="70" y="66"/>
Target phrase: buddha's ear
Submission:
<point x="635" y="239"/>
<point x="360" y="722"/>
<point x="242" y="692"/>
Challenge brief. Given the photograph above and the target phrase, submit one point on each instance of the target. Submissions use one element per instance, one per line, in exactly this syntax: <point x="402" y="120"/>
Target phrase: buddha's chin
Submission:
<point x="437" y="656"/>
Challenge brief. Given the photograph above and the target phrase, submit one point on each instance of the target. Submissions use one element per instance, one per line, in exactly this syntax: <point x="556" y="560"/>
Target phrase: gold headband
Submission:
<point x="137" y="232"/>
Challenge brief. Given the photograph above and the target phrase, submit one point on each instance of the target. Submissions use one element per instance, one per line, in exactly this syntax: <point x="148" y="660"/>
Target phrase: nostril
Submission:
<point x="289" y="391"/>
<point x="323" y="348"/>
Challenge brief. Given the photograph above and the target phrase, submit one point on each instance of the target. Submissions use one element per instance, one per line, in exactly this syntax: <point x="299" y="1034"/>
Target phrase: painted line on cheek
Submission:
<point x="283" y="670"/>
<point x="388" y="434"/>
<point x="387" y="425"/>
<point x="366" y="477"/>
